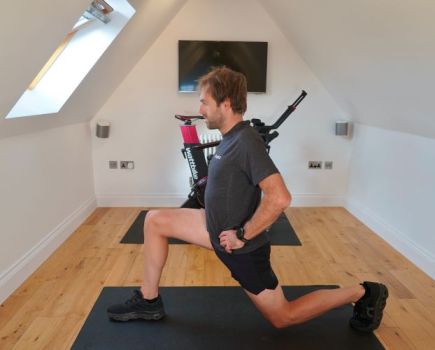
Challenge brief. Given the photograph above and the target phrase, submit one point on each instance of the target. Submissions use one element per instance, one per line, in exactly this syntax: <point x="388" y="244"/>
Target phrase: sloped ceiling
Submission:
<point x="375" y="57"/>
<point x="30" y="31"/>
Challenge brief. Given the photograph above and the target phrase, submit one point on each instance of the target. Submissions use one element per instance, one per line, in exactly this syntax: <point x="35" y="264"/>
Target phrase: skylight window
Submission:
<point x="81" y="48"/>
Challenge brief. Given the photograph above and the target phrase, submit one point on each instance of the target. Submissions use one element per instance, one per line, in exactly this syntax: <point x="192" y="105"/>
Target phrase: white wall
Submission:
<point x="142" y="108"/>
<point x="46" y="191"/>
<point x="392" y="190"/>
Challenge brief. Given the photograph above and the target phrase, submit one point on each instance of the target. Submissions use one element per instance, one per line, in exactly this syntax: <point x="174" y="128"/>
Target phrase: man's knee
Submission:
<point x="282" y="318"/>
<point x="283" y="322"/>
<point x="278" y="322"/>
<point x="153" y="220"/>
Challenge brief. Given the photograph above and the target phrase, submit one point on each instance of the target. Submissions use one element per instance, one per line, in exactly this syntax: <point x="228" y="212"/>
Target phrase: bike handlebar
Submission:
<point x="290" y="109"/>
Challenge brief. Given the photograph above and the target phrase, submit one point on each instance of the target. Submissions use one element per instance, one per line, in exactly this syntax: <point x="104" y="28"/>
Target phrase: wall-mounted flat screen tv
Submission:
<point x="196" y="58"/>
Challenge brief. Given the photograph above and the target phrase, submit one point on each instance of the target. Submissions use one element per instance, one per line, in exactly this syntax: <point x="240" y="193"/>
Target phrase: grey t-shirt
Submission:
<point x="232" y="194"/>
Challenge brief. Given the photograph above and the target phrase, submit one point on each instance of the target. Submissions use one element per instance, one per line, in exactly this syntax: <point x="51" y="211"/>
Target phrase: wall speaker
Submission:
<point x="103" y="128"/>
<point x="341" y="128"/>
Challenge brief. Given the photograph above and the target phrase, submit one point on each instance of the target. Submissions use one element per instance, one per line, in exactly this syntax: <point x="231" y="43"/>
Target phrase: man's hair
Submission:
<point x="223" y="83"/>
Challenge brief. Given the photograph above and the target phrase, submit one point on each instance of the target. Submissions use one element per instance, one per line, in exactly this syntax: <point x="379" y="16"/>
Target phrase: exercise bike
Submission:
<point x="193" y="149"/>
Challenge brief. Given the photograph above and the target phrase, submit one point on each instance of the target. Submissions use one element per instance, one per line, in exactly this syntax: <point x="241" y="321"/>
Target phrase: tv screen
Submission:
<point x="196" y="58"/>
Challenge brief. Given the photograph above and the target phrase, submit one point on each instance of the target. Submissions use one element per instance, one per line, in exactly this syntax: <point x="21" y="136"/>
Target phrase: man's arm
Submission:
<point x="276" y="198"/>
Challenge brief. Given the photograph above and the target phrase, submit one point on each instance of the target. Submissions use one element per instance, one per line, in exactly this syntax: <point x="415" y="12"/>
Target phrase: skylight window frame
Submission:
<point x="57" y="80"/>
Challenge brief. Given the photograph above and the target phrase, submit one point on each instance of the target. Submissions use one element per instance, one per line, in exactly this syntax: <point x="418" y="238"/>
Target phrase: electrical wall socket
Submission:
<point x="126" y="164"/>
<point x="113" y="164"/>
<point x="328" y="165"/>
<point x="314" y="164"/>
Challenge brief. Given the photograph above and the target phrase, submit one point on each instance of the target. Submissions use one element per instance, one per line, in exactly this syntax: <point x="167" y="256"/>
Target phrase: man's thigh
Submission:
<point x="186" y="224"/>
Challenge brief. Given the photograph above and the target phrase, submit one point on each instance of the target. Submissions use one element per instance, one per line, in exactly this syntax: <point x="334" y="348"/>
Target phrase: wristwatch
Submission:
<point x="240" y="234"/>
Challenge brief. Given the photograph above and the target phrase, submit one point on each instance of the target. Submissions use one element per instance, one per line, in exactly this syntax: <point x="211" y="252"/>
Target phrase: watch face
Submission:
<point x="240" y="233"/>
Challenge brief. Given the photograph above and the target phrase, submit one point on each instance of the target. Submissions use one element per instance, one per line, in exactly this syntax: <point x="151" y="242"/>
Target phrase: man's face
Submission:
<point x="209" y="109"/>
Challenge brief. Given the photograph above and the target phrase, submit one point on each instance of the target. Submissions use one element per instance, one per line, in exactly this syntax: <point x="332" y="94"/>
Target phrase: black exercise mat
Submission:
<point x="281" y="232"/>
<point x="216" y="318"/>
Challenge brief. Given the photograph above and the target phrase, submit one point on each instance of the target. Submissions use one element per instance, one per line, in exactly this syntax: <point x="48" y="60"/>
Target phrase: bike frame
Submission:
<point x="193" y="149"/>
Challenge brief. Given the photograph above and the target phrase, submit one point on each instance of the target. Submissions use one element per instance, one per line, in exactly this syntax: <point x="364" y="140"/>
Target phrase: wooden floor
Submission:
<point x="49" y="309"/>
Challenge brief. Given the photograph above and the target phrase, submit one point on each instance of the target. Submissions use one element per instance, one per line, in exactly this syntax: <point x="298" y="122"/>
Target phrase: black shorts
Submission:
<point x="252" y="270"/>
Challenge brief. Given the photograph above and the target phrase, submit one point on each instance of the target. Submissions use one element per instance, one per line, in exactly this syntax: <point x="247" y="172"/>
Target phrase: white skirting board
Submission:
<point x="175" y="200"/>
<point x="418" y="255"/>
<point x="145" y="200"/>
<point x="13" y="277"/>
<point x="316" y="200"/>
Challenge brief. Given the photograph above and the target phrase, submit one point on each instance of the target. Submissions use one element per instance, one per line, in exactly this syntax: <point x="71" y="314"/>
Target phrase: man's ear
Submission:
<point x="227" y="103"/>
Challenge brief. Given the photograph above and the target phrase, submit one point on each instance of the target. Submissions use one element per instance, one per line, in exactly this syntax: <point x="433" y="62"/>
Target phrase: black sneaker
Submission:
<point x="137" y="307"/>
<point x="368" y="311"/>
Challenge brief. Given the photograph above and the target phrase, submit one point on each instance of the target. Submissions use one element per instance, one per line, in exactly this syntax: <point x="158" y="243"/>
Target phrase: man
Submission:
<point x="234" y="222"/>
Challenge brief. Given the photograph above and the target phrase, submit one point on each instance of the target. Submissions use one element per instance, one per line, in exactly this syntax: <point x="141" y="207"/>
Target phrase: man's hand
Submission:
<point x="229" y="241"/>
